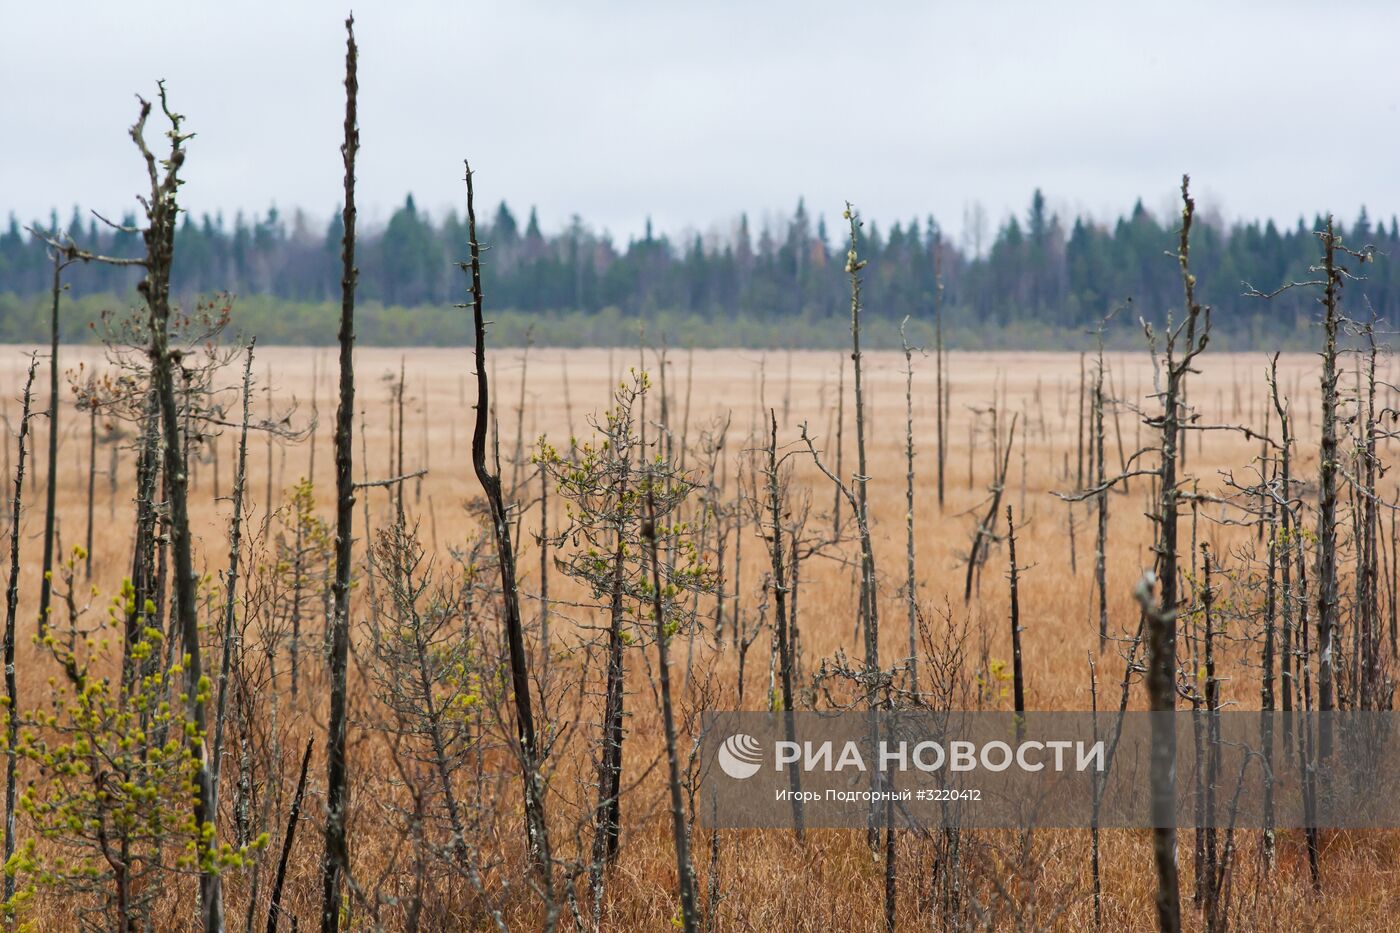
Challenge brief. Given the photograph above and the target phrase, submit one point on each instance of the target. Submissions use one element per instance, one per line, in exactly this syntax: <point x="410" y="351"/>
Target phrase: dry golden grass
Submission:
<point x="767" y="881"/>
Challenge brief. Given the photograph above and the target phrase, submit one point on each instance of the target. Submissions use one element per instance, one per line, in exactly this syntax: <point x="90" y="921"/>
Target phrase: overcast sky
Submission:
<point x="690" y="113"/>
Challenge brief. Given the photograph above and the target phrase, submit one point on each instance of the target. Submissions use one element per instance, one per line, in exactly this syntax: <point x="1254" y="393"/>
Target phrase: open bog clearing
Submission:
<point x="710" y="413"/>
<point x="566" y="392"/>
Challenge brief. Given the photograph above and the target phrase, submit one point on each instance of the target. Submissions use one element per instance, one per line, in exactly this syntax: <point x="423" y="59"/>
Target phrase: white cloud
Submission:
<point x="691" y="114"/>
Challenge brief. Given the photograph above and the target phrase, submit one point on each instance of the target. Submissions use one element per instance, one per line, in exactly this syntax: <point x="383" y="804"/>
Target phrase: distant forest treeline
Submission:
<point x="1037" y="283"/>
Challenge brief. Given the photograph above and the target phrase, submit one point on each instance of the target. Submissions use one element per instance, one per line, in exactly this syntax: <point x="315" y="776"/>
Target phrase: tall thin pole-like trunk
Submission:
<point x="1284" y="555"/>
<point x="1101" y="502"/>
<point x="11" y="604"/>
<point x="537" y="836"/>
<point x="1018" y="681"/>
<point x="92" y="484"/>
<point x="780" y="617"/>
<point x="1079" y="474"/>
<point x="298" y="583"/>
<point x="869" y="607"/>
<point x="162" y="213"/>
<point x="235" y="545"/>
<point x="1095" y="872"/>
<point x="793" y="581"/>
<point x="517" y="459"/>
<point x="1267" y="693"/>
<point x="51" y="492"/>
<point x="684" y="871"/>
<point x="891" y="867"/>
<point x="607" y="821"/>
<point x="840" y="446"/>
<point x="1161" y="621"/>
<point x="1212" y="731"/>
<point x="1372" y="687"/>
<point x="1327" y="608"/>
<point x="1307" y="746"/>
<point x="870" y="612"/>
<point x="939" y="413"/>
<point x="910" y="593"/>
<point x="144" y="545"/>
<point x="608" y="813"/>
<point x="685" y="415"/>
<point x="267" y="464"/>
<point x="544" y="573"/>
<point x="397" y="455"/>
<point x="1394" y="575"/>
<point x="425" y="451"/>
<point x="335" y="858"/>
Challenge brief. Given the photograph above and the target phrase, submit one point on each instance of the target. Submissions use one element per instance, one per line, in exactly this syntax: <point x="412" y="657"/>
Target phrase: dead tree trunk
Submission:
<point x="1373" y="690"/>
<point x="1095" y="872"/>
<point x="608" y="813"/>
<point x="543" y="541"/>
<point x="1101" y="540"/>
<point x="1079" y="474"/>
<point x="144" y="546"/>
<point x="1267" y="693"/>
<point x="689" y="918"/>
<point x="51" y="493"/>
<point x="537" y="837"/>
<point x="1327" y="497"/>
<point x="1018" y="682"/>
<point x="840" y="447"/>
<point x="1161" y="620"/>
<point x="11" y="604"/>
<point x="162" y="213"/>
<point x="335" y="859"/>
<point x="92" y="484"/>
<point x="231" y="583"/>
<point x="870" y="612"/>
<point x="780" y="595"/>
<point x="274" y="907"/>
<point x="1284" y="556"/>
<point x="910" y="594"/>
<point x="940" y="422"/>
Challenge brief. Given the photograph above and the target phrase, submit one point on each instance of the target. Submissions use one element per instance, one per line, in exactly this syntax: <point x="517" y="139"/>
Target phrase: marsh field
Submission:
<point x="709" y="416"/>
